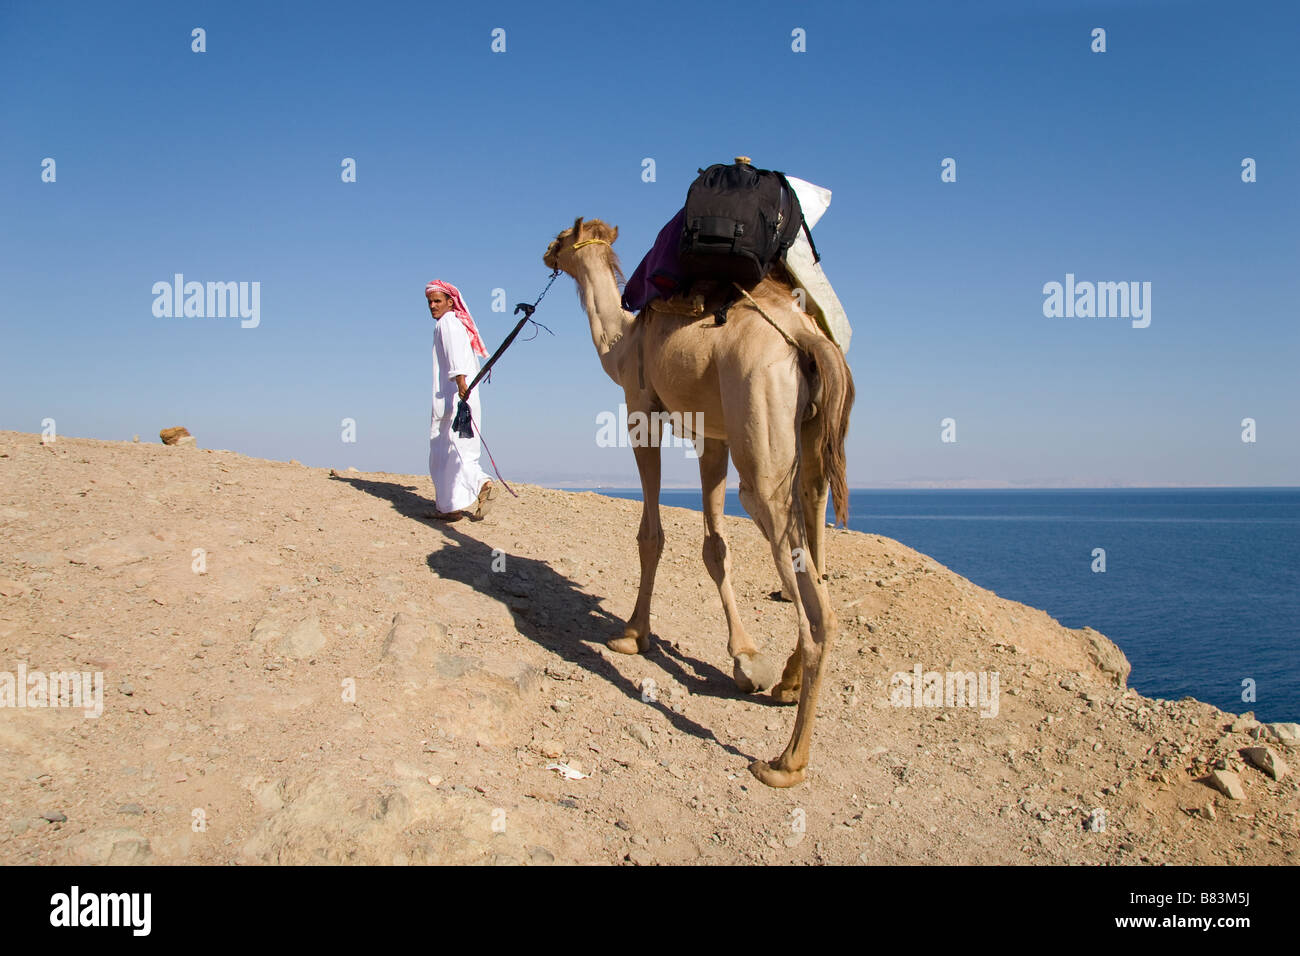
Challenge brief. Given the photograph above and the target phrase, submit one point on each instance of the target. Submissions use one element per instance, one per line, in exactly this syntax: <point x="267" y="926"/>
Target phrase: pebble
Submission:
<point x="55" y="816"/>
<point x="551" y="748"/>
<point x="641" y="734"/>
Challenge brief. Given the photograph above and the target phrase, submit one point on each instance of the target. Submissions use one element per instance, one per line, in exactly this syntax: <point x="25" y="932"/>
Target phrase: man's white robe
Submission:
<point x="453" y="461"/>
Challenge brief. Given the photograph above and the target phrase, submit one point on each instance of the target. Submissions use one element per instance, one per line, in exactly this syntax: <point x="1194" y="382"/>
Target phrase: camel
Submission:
<point x="777" y="401"/>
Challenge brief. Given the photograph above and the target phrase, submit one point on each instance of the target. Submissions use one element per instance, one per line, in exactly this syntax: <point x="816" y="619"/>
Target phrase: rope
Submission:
<point x="784" y="334"/>
<point x="494" y="462"/>
<point x="463" y="423"/>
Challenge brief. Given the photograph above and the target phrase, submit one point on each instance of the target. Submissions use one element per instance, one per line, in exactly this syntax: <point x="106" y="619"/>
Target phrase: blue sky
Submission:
<point x="225" y="166"/>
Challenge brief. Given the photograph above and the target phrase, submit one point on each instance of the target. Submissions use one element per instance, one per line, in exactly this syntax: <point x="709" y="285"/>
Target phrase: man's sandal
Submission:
<point x="485" y="496"/>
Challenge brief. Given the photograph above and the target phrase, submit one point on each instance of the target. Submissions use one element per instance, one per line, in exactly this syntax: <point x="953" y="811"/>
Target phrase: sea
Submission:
<point x="1201" y="587"/>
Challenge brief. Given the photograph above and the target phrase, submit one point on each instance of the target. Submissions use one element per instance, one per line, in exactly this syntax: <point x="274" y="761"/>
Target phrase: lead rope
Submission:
<point x="494" y="463"/>
<point x="463" y="424"/>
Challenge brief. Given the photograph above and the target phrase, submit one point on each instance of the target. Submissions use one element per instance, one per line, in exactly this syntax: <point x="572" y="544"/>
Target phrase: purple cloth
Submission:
<point x="660" y="272"/>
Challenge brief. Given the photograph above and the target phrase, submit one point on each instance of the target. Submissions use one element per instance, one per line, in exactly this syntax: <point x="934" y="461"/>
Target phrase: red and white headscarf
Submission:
<point x="462" y="312"/>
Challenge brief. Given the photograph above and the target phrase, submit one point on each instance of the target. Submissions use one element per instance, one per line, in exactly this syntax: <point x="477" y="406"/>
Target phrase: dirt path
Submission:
<point x="265" y="708"/>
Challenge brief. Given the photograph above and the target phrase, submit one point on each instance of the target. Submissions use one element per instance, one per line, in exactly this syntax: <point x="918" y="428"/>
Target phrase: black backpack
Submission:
<point x="738" y="222"/>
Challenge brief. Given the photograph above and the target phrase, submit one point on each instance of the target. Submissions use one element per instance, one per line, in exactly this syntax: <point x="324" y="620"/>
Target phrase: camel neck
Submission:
<point x="602" y="303"/>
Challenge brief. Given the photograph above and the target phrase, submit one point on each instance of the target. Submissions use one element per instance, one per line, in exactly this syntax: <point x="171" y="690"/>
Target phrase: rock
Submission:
<point x="1228" y="784"/>
<point x="1110" y="660"/>
<point x="55" y="816"/>
<point x="550" y="748"/>
<point x="1243" y="724"/>
<point x="173" y="436"/>
<point x="453" y="667"/>
<point x="132" y="809"/>
<point x="1207" y="811"/>
<point x="540" y="856"/>
<point x="130" y="852"/>
<point x="1286" y="734"/>
<point x="303" y="640"/>
<point x="1266" y="760"/>
<point x="405" y="639"/>
<point x="641" y="734"/>
<point x="115" y="847"/>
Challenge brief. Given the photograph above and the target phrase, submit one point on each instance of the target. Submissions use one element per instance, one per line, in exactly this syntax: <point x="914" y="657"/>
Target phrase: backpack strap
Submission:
<point x="817" y="256"/>
<point x="803" y="220"/>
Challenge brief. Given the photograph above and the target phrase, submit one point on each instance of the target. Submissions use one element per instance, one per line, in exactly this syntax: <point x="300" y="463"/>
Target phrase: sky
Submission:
<point x="226" y="165"/>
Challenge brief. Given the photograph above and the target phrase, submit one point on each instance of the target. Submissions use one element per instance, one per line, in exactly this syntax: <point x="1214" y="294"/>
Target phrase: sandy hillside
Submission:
<point x="228" y="735"/>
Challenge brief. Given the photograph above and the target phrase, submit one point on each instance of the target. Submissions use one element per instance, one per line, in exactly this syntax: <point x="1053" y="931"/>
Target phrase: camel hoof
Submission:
<point x="629" y="643"/>
<point x="773" y="777"/>
<point x="754" y="673"/>
<point x="785" y="694"/>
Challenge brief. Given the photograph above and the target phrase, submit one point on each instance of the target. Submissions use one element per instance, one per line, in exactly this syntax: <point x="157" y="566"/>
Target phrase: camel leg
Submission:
<point x="787" y="689"/>
<point x="650" y="544"/>
<point x="813" y="495"/>
<point x="814" y="512"/>
<point x="814" y="644"/>
<point x="774" y="505"/>
<point x="752" y="671"/>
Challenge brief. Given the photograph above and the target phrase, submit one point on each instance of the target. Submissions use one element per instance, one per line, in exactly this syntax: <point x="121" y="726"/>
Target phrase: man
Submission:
<point x="460" y="485"/>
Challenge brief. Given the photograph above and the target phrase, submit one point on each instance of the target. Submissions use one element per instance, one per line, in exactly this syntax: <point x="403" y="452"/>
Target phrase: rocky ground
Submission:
<point x="298" y="668"/>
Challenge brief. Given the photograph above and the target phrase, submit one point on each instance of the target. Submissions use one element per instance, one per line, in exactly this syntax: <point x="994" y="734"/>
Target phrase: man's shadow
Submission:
<point x="551" y="609"/>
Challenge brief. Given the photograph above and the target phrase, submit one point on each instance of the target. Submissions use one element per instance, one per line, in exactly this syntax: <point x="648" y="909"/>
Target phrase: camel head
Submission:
<point x="582" y="236"/>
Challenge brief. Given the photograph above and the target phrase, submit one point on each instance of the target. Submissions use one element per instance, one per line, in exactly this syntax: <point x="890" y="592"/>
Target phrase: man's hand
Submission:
<point x="461" y="386"/>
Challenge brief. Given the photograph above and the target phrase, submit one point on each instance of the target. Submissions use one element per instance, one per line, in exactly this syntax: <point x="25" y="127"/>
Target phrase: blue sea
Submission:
<point x="1201" y="588"/>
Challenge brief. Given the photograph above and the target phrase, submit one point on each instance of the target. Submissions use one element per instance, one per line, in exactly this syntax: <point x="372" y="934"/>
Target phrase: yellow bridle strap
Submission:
<point x="587" y="242"/>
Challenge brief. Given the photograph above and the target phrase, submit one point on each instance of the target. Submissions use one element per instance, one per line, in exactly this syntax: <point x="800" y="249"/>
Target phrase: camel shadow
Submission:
<point x="552" y="610"/>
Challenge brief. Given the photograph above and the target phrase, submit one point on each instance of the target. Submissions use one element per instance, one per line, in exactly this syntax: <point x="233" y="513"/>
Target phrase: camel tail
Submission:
<point x="832" y="420"/>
